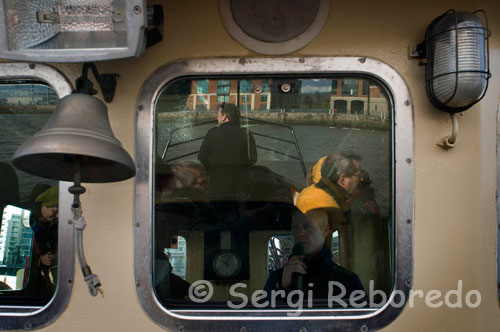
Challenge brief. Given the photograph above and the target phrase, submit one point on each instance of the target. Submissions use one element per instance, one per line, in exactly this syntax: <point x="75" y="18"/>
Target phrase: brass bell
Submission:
<point x="77" y="139"/>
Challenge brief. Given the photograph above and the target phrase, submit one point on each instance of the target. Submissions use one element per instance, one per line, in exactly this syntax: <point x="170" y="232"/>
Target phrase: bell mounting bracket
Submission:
<point x="107" y="82"/>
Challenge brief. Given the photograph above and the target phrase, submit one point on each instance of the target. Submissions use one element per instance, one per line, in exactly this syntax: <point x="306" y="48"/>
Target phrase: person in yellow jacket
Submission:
<point x="314" y="174"/>
<point x="335" y="177"/>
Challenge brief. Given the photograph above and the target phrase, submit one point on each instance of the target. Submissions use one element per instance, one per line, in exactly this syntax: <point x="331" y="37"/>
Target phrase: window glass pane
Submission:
<point x="335" y="87"/>
<point x="292" y="163"/>
<point x="365" y="87"/>
<point x="29" y="204"/>
<point x="223" y="87"/>
<point x="222" y="99"/>
<point x="245" y="86"/>
<point x="349" y="87"/>
<point x="265" y="85"/>
<point x="202" y="86"/>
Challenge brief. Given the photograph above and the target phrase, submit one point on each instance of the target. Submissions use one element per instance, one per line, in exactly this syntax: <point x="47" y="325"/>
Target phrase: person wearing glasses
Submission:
<point x="337" y="180"/>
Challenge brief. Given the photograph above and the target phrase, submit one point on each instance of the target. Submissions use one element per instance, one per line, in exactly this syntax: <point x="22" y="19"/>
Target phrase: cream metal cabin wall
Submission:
<point x="455" y="210"/>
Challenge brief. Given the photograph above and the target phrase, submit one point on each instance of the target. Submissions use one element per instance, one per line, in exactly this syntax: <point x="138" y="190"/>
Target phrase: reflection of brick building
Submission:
<point x="346" y="96"/>
<point x="353" y="96"/>
<point x="207" y="94"/>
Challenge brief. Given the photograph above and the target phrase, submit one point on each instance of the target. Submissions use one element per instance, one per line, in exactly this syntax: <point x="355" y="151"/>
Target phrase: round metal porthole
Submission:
<point x="274" y="27"/>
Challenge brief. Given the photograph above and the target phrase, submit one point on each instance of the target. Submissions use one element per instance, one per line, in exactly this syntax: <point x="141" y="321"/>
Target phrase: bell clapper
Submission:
<point x="79" y="224"/>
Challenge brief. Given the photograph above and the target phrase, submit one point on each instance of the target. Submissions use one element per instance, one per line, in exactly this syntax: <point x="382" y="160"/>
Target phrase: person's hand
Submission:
<point x="295" y="264"/>
<point x="47" y="259"/>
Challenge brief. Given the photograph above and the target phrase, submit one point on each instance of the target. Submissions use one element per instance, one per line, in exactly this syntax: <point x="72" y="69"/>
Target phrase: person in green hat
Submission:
<point x="43" y="268"/>
<point x="49" y="201"/>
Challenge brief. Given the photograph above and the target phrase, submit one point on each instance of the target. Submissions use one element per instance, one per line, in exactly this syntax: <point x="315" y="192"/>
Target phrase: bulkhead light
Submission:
<point x="456" y="52"/>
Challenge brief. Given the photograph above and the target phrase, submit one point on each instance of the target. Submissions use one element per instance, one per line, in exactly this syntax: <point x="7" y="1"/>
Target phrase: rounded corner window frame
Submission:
<point x="402" y="183"/>
<point x="34" y="317"/>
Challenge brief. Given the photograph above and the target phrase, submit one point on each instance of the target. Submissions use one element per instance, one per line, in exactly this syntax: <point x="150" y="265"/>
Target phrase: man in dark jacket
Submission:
<point x="316" y="267"/>
<point x="227" y="151"/>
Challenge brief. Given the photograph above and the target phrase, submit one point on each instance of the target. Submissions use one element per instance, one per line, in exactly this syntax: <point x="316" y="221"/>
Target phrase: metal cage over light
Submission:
<point x="72" y="30"/>
<point x="456" y="49"/>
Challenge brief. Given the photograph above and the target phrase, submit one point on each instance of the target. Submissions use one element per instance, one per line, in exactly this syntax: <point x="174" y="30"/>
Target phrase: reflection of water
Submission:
<point x="14" y="130"/>
<point x="314" y="141"/>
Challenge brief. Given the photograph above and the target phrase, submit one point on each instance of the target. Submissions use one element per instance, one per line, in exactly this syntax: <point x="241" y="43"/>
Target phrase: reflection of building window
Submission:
<point x="349" y="87"/>
<point x="340" y="106"/>
<point x="223" y="87"/>
<point x="265" y="85"/>
<point x="366" y="87"/>
<point x="202" y="86"/>
<point x="263" y="98"/>
<point x="244" y="99"/>
<point x="222" y="99"/>
<point x="202" y="99"/>
<point x="357" y="107"/>
<point x="245" y="86"/>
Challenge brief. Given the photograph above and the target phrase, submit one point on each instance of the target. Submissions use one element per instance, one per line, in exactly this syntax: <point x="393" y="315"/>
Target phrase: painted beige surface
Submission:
<point x="455" y="210"/>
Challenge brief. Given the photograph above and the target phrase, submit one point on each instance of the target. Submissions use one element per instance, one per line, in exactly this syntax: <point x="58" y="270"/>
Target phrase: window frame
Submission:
<point x="265" y="320"/>
<point x="498" y="205"/>
<point x="33" y="317"/>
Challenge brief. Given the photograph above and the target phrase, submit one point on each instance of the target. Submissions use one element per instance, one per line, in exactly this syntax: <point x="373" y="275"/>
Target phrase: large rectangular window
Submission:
<point x="287" y="210"/>
<point x="226" y="187"/>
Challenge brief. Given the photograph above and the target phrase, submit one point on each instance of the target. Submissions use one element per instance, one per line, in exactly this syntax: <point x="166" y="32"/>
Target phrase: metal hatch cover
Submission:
<point x="274" y="27"/>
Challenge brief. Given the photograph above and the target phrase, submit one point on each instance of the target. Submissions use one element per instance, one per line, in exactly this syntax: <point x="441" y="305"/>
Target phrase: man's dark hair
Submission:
<point x="339" y="163"/>
<point x="231" y="111"/>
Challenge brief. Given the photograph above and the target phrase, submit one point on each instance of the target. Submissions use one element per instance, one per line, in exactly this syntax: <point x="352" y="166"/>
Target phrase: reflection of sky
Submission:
<point x="319" y="85"/>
